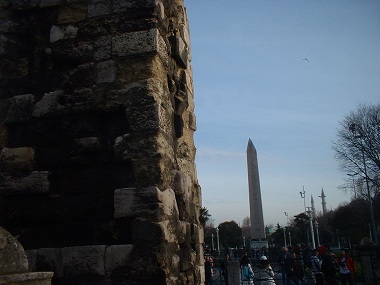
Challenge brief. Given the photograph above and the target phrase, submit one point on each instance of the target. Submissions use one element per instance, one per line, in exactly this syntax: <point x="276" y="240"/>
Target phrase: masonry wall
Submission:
<point x="97" y="172"/>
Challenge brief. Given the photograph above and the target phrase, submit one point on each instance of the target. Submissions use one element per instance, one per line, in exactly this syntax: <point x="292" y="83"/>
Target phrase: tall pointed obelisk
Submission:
<point x="255" y="204"/>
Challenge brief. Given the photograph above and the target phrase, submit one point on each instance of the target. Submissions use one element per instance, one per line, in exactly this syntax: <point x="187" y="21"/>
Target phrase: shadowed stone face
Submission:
<point x="96" y="140"/>
<point x="12" y="256"/>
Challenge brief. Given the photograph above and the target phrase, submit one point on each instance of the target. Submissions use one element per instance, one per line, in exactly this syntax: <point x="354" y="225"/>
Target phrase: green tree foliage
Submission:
<point x="204" y="216"/>
<point x="277" y="237"/>
<point x="300" y="228"/>
<point x="230" y="235"/>
<point x="246" y="228"/>
<point x="349" y="223"/>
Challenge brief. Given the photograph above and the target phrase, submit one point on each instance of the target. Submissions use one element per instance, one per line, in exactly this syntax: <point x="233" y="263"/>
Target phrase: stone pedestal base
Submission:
<point x="259" y="244"/>
<point x="28" y="278"/>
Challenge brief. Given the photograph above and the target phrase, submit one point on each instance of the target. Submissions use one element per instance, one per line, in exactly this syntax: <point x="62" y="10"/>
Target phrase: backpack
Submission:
<point x="247" y="272"/>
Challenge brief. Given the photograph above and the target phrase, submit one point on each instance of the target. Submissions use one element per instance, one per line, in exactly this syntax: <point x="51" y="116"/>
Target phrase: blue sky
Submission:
<point x="251" y="81"/>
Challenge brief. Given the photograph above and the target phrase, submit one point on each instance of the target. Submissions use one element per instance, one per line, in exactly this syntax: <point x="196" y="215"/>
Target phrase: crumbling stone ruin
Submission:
<point x="14" y="267"/>
<point x="97" y="173"/>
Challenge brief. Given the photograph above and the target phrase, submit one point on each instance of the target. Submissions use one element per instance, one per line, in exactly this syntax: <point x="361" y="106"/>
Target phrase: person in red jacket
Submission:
<point x="346" y="268"/>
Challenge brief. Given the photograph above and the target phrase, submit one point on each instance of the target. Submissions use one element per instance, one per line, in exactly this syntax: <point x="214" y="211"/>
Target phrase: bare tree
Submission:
<point x="246" y="228"/>
<point x="357" y="150"/>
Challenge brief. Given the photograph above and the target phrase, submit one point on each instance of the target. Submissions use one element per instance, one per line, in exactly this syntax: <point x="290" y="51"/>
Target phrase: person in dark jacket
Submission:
<point x="294" y="269"/>
<point x="330" y="268"/>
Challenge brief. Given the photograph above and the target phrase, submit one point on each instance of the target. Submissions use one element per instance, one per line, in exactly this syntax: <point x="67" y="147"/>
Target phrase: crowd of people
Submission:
<point x="318" y="266"/>
<point x="298" y="266"/>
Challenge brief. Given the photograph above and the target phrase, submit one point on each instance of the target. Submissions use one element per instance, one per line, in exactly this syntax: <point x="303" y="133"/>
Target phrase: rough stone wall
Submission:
<point x="97" y="172"/>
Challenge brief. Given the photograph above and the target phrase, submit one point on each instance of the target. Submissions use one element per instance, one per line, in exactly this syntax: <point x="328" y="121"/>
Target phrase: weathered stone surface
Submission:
<point x="125" y="203"/>
<point x="12" y="255"/>
<point x="62" y="32"/>
<point x="50" y="259"/>
<point x="83" y="260"/>
<point x="17" y="109"/>
<point x="188" y="258"/>
<point x="30" y="278"/>
<point x="147" y="233"/>
<point x="101" y="91"/>
<point x="35" y="182"/>
<point x="117" y="257"/>
<point x="89" y="144"/>
<point x="137" y="43"/>
<point x="49" y="104"/>
<point x="21" y="158"/>
<point x="49" y="3"/>
<point x="32" y="259"/>
<point x="182" y="184"/>
<point x="145" y="202"/>
<point x="179" y="50"/>
<point x="106" y="71"/>
<point x="99" y="8"/>
<point x="72" y="13"/>
<point x="122" y="5"/>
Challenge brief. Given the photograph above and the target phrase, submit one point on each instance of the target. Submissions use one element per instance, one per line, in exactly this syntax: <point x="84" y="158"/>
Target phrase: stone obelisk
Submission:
<point x="255" y="205"/>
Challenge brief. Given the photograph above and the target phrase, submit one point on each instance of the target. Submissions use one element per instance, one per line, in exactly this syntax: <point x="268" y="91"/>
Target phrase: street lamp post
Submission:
<point x="284" y="237"/>
<point x="212" y="242"/>
<point x="353" y="181"/>
<point x="302" y="193"/>
<point x="316" y="228"/>
<point x="244" y="242"/>
<point x="290" y="237"/>
<point x="287" y="218"/>
<point x="353" y="128"/>
<point x="217" y="238"/>
<point x="310" y="214"/>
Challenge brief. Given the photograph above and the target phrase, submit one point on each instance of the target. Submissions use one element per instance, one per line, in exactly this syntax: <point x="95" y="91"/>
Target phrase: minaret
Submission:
<point x="323" y="202"/>
<point x="312" y="206"/>
<point x="255" y="204"/>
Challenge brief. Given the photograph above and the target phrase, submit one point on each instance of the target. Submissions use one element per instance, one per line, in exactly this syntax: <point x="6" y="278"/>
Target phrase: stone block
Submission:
<point x="49" y="104"/>
<point x="132" y="202"/>
<point x="125" y="203"/>
<point x="179" y="51"/>
<point x="184" y="236"/>
<point x="63" y="32"/>
<point x="137" y="43"/>
<point x="17" y="109"/>
<point x="144" y="117"/>
<point x="148" y="233"/>
<point x="143" y="92"/>
<point x="89" y="144"/>
<point x="122" y="5"/>
<point x="197" y="234"/>
<point x="49" y="259"/>
<point x="35" y="182"/>
<point x="106" y="71"/>
<point x="72" y="13"/>
<point x="167" y="205"/>
<point x="21" y="158"/>
<point x="188" y="258"/>
<point x="181" y="183"/>
<point x="200" y="254"/>
<point x="83" y="260"/>
<point x="200" y="273"/>
<point x="32" y="259"/>
<point x="117" y="257"/>
<point x="30" y="278"/>
<point x="99" y="8"/>
<point x="50" y="3"/>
